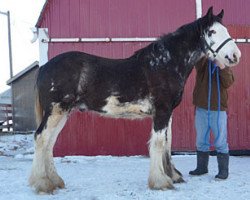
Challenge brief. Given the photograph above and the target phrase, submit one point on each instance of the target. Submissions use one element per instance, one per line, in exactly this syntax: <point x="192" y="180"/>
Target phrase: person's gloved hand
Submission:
<point x="219" y="64"/>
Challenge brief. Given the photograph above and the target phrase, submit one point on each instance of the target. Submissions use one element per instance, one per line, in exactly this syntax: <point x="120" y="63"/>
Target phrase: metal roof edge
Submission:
<point x="21" y="73"/>
<point x="39" y="21"/>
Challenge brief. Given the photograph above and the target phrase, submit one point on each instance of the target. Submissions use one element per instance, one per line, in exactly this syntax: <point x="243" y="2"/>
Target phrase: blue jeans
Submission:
<point x="203" y="132"/>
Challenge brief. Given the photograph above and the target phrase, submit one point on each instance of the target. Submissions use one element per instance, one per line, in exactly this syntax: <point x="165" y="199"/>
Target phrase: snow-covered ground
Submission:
<point x="115" y="178"/>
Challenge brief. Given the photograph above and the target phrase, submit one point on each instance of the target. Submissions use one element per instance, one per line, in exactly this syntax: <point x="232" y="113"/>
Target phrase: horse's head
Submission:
<point x="219" y="46"/>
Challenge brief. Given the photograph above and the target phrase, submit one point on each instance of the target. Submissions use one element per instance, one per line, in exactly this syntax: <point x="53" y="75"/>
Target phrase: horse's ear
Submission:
<point x="209" y="14"/>
<point x="221" y="14"/>
<point x="210" y="11"/>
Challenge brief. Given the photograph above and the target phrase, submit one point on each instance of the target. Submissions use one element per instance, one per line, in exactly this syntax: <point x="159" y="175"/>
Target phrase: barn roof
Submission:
<point x="5" y="97"/>
<point x="40" y="18"/>
<point x="23" y="72"/>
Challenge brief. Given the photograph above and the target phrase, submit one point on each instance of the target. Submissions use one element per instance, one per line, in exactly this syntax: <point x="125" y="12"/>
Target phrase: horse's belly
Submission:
<point x="131" y="110"/>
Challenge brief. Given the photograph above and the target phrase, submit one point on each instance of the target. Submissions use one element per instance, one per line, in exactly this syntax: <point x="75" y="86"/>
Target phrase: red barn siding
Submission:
<point x="111" y="50"/>
<point x="115" y="18"/>
<point x="239" y="31"/>
<point x="89" y="134"/>
<point x="239" y="101"/>
<point x="236" y="12"/>
<point x="183" y="120"/>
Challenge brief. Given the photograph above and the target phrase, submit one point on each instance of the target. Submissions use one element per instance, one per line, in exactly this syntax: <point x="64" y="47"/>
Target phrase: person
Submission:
<point x="202" y="126"/>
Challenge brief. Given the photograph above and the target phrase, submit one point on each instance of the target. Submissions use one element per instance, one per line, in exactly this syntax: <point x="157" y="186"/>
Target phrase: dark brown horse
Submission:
<point x="150" y="83"/>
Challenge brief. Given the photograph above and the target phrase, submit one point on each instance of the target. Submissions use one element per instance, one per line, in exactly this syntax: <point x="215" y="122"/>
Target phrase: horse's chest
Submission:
<point x="136" y="109"/>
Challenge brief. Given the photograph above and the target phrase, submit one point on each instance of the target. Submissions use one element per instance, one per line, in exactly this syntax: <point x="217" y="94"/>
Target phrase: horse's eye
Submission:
<point x="210" y="32"/>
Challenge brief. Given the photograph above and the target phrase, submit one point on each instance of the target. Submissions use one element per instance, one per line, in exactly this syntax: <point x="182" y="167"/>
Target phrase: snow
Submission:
<point x="118" y="178"/>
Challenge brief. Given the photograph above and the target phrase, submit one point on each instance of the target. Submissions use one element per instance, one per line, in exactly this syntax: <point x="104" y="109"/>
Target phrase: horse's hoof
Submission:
<point x="179" y="180"/>
<point x="160" y="183"/>
<point x="44" y="185"/>
<point x="58" y="182"/>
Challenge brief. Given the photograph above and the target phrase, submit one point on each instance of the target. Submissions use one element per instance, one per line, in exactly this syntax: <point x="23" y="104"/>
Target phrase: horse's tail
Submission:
<point x="38" y="110"/>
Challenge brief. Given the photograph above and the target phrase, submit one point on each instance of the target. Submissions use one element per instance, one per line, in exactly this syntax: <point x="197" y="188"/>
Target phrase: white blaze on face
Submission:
<point x="229" y="55"/>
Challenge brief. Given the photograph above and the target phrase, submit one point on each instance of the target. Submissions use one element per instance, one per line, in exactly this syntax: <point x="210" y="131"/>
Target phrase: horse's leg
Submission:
<point x="44" y="176"/>
<point x="159" y="155"/>
<point x="170" y="169"/>
<point x="60" y="121"/>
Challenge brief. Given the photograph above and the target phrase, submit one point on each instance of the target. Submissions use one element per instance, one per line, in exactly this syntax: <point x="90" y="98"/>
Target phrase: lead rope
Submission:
<point x="218" y="96"/>
<point x="210" y="73"/>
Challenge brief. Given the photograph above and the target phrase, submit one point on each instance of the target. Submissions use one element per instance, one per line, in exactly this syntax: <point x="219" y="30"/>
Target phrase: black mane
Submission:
<point x="194" y="30"/>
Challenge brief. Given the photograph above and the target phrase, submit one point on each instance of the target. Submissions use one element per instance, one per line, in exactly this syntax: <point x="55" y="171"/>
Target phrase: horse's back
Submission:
<point x="74" y="78"/>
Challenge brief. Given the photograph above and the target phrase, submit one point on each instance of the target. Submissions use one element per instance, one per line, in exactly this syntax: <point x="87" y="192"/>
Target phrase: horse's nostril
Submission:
<point x="235" y="57"/>
<point x="232" y="60"/>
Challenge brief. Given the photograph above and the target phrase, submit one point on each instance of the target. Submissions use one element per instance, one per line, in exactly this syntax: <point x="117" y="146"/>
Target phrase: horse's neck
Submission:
<point x="177" y="53"/>
<point x="188" y="54"/>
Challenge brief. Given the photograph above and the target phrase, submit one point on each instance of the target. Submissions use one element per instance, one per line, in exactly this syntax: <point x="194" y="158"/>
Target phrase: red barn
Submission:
<point x="117" y="28"/>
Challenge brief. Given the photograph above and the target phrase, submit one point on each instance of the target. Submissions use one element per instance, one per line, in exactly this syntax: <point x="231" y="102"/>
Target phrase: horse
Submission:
<point x="149" y="83"/>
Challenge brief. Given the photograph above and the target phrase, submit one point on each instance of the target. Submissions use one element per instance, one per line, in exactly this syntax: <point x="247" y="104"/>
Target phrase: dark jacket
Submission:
<point x="200" y="94"/>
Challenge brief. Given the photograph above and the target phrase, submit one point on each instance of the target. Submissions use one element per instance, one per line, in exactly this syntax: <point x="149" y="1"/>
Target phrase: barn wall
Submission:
<point x="236" y="12"/>
<point x="239" y="103"/>
<point x="116" y="18"/>
<point x="23" y="105"/>
<point x="89" y="134"/>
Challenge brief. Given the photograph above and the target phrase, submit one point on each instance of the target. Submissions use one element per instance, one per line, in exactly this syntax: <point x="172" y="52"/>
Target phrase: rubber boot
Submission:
<point x="223" y="161"/>
<point x="202" y="163"/>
